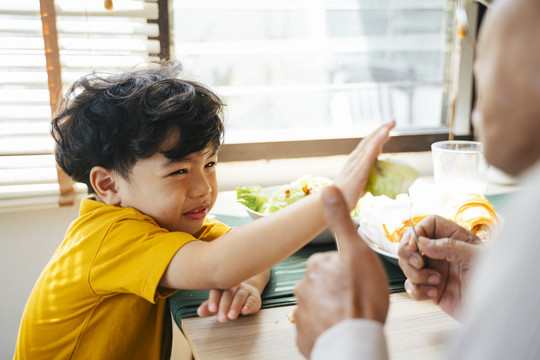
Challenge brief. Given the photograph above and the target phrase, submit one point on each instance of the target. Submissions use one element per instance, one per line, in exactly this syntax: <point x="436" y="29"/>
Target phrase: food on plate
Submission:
<point x="398" y="232"/>
<point x="376" y="211"/>
<point x="384" y="220"/>
<point x="390" y="177"/>
<point x="259" y="202"/>
<point x="475" y="213"/>
<point x="295" y="191"/>
<point x="253" y="197"/>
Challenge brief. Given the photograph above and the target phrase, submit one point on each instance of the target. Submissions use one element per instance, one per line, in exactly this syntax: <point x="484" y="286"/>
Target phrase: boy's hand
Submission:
<point x="353" y="177"/>
<point x="228" y="304"/>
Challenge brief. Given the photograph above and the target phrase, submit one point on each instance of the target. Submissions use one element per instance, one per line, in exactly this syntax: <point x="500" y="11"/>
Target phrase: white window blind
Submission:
<point x="90" y="38"/>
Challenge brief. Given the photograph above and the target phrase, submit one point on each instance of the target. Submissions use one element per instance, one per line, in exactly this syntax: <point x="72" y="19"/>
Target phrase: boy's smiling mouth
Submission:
<point x="197" y="213"/>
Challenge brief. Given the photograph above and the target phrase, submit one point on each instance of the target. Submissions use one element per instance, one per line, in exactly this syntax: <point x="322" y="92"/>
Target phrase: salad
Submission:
<point x="254" y="198"/>
<point x="388" y="176"/>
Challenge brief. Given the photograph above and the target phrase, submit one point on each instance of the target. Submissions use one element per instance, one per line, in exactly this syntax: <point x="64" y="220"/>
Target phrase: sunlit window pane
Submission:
<point x="319" y="69"/>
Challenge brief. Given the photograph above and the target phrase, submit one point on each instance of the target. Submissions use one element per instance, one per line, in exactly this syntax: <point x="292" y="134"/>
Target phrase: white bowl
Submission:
<point x="324" y="237"/>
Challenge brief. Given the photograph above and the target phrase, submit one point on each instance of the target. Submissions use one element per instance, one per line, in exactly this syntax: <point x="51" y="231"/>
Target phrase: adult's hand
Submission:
<point x="441" y="274"/>
<point x="339" y="286"/>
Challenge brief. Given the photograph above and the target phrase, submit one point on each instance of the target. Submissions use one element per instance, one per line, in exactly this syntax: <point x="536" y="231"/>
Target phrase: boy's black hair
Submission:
<point x="114" y="120"/>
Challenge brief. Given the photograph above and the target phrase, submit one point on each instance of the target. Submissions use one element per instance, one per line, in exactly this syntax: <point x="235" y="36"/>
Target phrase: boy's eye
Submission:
<point x="211" y="164"/>
<point x="178" y="172"/>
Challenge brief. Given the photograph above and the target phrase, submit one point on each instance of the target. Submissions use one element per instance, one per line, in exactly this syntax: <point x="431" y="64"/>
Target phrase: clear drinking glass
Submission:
<point x="459" y="166"/>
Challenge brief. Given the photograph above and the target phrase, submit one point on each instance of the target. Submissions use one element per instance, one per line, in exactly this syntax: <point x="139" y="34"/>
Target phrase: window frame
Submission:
<point x="325" y="147"/>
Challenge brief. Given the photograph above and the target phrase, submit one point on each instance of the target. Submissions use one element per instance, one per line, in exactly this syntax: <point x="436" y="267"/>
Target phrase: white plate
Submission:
<point x="393" y="258"/>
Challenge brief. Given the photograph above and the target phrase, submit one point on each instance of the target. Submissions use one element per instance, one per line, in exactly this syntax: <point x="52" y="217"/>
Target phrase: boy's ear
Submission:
<point x="104" y="183"/>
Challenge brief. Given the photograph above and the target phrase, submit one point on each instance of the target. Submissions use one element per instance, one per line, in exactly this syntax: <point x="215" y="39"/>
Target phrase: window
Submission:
<point x="89" y="38"/>
<point x="301" y="78"/>
<point x="297" y="74"/>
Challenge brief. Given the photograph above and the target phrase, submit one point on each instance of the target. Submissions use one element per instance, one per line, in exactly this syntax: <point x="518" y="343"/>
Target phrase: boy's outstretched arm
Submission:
<point x="254" y="247"/>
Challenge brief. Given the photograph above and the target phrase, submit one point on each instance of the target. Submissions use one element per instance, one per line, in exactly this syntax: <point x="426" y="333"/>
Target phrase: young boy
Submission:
<point x="145" y="143"/>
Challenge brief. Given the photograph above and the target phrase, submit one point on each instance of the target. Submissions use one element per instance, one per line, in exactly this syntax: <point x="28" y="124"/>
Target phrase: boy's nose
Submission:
<point x="200" y="186"/>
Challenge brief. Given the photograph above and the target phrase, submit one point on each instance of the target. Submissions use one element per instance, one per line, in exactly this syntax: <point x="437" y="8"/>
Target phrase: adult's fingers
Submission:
<point x="448" y="249"/>
<point x="420" y="292"/>
<point x="424" y="276"/>
<point x="437" y="227"/>
<point x="408" y="250"/>
<point x="339" y="220"/>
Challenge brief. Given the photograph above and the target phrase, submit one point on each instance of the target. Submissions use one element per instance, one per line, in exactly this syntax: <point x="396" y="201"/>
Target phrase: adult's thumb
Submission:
<point x="339" y="220"/>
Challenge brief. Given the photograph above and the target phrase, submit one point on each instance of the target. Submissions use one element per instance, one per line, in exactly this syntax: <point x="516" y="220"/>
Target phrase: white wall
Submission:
<point x="29" y="238"/>
<point x="27" y="241"/>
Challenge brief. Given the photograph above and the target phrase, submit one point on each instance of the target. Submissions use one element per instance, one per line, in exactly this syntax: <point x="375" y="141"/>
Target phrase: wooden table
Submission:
<point x="414" y="330"/>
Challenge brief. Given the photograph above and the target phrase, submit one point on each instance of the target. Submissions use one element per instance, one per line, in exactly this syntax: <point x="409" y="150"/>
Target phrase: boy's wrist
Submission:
<point x="259" y="281"/>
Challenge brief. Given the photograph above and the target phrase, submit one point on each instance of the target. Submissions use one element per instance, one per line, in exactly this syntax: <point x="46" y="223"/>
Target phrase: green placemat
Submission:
<point x="279" y="290"/>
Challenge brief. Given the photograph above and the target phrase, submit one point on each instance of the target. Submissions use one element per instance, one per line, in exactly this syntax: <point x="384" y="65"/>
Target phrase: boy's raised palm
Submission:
<point x="353" y="177"/>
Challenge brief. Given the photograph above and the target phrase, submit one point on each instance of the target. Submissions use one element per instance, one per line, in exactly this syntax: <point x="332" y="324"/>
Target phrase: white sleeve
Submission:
<point x="501" y="315"/>
<point x="351" y="339"/>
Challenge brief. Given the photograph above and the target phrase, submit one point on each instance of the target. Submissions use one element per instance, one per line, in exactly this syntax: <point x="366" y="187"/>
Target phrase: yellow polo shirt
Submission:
<point x="98" y="297"/>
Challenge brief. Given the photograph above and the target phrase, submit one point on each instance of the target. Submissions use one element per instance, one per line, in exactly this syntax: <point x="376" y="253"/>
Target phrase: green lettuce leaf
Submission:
<point x="251" y="197"/>
<point x="295" y="191"/>
<point x="390" y="177"/>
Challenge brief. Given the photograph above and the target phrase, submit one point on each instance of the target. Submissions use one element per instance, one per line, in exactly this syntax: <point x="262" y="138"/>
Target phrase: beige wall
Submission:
<point x="27" y="241"/>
